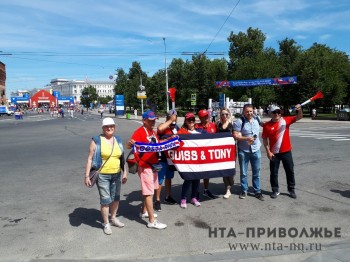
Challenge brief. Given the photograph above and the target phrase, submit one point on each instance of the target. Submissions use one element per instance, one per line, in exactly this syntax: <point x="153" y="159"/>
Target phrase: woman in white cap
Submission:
<point x="107" y="152"/>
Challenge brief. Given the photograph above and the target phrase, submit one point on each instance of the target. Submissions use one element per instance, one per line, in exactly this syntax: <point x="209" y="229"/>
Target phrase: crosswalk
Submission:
<point x="326" y="133"/>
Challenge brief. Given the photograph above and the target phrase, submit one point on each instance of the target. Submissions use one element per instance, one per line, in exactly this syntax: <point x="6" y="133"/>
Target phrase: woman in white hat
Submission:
<point x="107" y="154"/>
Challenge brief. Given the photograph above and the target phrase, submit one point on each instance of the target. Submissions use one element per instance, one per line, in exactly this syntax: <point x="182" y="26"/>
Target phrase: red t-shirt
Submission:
<point x="144" y="135"/>
<point x="209" y="128"/>
<point x="278" y="134"/>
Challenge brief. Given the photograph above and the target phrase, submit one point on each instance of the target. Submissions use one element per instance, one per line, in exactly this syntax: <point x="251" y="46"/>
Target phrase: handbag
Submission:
<point x="132" y="162"/>
<point x="93" y="174"/>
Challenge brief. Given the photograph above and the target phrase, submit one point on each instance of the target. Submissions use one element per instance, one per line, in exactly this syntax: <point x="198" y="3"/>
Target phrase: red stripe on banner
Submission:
<point x="203" y="155"/>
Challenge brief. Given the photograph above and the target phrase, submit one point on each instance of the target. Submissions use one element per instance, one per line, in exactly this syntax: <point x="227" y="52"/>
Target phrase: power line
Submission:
<point x="221" y="27"/>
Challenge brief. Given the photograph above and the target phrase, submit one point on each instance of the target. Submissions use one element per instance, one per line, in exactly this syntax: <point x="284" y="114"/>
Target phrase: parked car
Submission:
<point x="343" y="114"/>
<point x="5" y="110"/>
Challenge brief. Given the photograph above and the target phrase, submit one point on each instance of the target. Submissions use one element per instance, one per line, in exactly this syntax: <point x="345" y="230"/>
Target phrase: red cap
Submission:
<point x="203" y="113"/>
<point x="189" y="115"/>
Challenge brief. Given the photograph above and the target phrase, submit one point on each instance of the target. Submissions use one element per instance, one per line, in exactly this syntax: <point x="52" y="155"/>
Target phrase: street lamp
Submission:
<point x="166" y="79"/>
<point x="142" y="88"/>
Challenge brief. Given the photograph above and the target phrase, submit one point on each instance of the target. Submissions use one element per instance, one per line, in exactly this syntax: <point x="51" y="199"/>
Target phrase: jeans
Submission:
<point x="288" y="165"/>
<point x="186" y="187"/>
<point x="255" y="160"/>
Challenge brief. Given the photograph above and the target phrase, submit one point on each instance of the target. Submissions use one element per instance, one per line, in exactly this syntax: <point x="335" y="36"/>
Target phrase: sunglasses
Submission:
<point x="276" y="112"/>
<point x="190" y="119"/>
<point x="111" y="126"/>
<point x="224" y="114"/>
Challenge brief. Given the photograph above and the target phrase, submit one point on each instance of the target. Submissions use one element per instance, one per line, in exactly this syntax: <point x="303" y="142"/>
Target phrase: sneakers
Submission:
<point x="183" y="203"/>
<point x="157" y="225"/>
<point x="169" y="200"/>
<point x="259" y="196"/>
<point x="107" y="229"/>
<point x="275" y="194"/>
<point x="207" y="193"/>
<point x="145" y="215"/>
<point x="228" y="194"/>
<point x="292" y="194"/>
<point x="195" y="202"/>
<point x="116" y="222"/>
<point x="157" y="206"/>
<point x="243" y="195"/>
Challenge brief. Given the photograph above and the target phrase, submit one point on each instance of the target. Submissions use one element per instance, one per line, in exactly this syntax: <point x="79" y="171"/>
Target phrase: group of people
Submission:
<point x="107" y="154"/>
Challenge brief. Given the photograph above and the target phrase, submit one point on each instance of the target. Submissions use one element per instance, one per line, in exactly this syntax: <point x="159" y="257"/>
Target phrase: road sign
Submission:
<point x="193" y="103"/>
<point x="193" y="97"/>
<point x="141" y="95"/>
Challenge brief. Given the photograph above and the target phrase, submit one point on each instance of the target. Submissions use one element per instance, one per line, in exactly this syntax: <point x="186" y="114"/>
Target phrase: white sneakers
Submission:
<point x="228" y="194"/>
<point x="156" y="224"/>
<point x="107" y="229"/>
<point x="145" y="215"/>
<point x="116" y="222"/>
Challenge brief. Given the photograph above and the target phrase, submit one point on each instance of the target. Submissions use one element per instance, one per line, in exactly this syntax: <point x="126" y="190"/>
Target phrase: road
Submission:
<point x="47" y="213"/>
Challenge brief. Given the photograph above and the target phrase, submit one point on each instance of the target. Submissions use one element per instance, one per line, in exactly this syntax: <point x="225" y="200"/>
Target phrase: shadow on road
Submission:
<point x="345" y="193"/>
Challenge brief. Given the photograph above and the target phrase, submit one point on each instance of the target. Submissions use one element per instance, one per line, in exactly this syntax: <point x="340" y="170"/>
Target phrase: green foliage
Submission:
<point x="318" y="68"/>
<point x="88" y="95"/>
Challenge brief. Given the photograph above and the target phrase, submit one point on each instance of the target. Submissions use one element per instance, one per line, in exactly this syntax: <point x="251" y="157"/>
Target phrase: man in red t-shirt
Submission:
<point x="279" y="148"/>
<point x="148" y="176"/>
<point x="207" y="127"/>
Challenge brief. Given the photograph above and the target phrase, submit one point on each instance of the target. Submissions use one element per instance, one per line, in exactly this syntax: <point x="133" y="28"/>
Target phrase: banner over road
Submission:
<point x="288" y="80"/>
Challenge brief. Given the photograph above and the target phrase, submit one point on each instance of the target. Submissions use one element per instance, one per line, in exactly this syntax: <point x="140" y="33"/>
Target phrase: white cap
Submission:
<point x="274" y="108"/>
<point x="107" y="121"/>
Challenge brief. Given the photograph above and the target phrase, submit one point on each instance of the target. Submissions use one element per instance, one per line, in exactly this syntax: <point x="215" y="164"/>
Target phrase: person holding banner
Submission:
<point x="279" y="148"/>
<point x="147" y="167"/>
<point x="189" y="128"/>
<point x="225" y="125"/>
<point x="168" y="128"/>
<point x="246" y="132"/>
<point x="207" y="127"/>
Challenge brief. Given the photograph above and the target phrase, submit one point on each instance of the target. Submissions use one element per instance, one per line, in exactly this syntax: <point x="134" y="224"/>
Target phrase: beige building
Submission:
<point x="3" y="99"/>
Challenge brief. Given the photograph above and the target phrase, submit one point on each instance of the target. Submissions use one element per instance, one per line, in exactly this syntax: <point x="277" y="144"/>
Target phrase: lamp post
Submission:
<point x="166" y="79"/>
<point x="142" y="88"/>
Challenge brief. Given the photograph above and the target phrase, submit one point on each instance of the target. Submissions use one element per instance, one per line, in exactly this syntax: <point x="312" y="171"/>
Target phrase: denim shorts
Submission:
<point x="109" y="188"/>
<point x="165" y="172"/>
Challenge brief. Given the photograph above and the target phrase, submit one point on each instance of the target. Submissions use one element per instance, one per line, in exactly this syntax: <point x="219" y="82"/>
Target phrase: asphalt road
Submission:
<point x="46" y="212"/>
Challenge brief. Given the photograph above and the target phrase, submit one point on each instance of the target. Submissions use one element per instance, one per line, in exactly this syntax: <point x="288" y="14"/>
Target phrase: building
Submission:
<point x="3" y="99"/>
<point x="74" y="87"/>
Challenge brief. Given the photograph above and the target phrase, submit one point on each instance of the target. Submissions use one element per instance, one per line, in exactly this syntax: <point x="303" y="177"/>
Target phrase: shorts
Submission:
<point x="149" y="180"/>
<point x="109" y="188"/>
<point x="165" y="172"/>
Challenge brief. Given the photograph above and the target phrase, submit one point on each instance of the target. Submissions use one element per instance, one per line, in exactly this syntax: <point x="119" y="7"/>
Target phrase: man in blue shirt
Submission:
<point x="246" y="132"/>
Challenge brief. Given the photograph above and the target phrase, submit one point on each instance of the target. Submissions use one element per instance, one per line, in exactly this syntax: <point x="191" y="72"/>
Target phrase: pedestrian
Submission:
<point x="71" y="112"/>
<point x="278" y="147"/>
<point x="225" y="125"/>
<point x="213" y="116"/>
<point x="107" y="150"/>
<point x="101" y="111"/>
<point x="246" y="132"/>
<point x="82" y="111"/>
<point x="62" y="112"/>
<point x="188" y="127"/>
<point x="168" y="128"/>
<point x="313" y="113"/>
<point x="207" y="127"/>
<point x="261" y="112"/>
<point x="147" y="167"/>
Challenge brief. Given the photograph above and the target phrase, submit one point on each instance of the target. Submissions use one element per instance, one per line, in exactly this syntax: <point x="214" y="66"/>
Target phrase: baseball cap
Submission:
<point x="274" y="108"/>
<point x="171" y="112"/>
<point x="149" y="115"/>
<point x="107" y="121"/>
<point x="203" y="113"/>
<point x="190" y="115"/>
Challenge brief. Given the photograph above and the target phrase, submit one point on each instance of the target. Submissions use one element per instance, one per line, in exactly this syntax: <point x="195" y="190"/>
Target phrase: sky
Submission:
<point x="89" y="39"/>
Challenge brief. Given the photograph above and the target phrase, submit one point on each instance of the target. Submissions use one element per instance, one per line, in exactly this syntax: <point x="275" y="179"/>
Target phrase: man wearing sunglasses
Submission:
<point x="279" y="148"/>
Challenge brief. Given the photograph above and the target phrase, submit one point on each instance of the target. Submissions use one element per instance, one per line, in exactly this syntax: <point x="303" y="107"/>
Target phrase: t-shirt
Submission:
<point x="220" y="128"/>
<point x="209" y="128"/>
<point x="278" y="134"/>
<point x="146" y="136"/>
<point x="112" y="165"/>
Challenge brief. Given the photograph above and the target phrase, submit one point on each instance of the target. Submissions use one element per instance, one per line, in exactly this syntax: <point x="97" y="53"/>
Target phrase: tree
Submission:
<point x="88" y="95"/>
